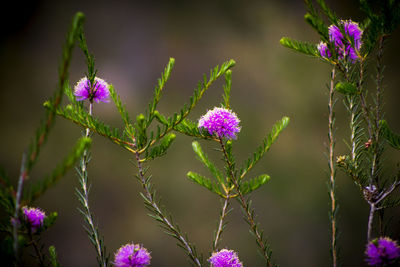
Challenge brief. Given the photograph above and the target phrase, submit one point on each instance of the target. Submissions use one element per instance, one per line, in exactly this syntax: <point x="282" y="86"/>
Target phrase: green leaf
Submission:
<point x="302" y="47"/>
<point x="82" y="118"/>
<point x="190" y="128"/>
<point x="161" y="149"/>
<point x="53" y="257"/>
<point x="346" y="88"/>
<point x="318" y="25"/>
<point x="204" y="159"/>
<point x="202" y="87"/>
<point x="267" y="142"/>
<point x="49" y="220"/>
<point x="158" y="90"/>
<point x="328" y="12"/>
<point x="161" y="118"/>
<point x="253" y="184"/>
<point x="40" y="187"/>
<point x="205" y="182"/>
<point x="122" y="110"/>
<point x="227" y="88"/>
<point x="392" y="138"/>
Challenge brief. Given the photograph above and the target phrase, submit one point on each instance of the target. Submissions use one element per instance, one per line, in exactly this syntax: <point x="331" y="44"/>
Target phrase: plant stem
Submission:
<point x="40" y="256"/>
<point x="250" y="214"/>
<point x="224" y="212"/>
<point x="370" y="220"/>
<point x="83" y="180"/>
<point x="332" y="175"/>
<point x="15" y="220"/>
<point x="377" y="148"/>
<point x="363" y="101"/>
<point x="149" y="198"/>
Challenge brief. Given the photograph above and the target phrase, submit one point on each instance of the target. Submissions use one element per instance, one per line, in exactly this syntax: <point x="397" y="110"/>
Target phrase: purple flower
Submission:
<point x="221" y="122"/>
<point x="97" y="91"/>
<point x="323" y="50"/>
<point x="335" y="36"/>
<point x="382" y="252"/>
<point x="132" y="255"/>
<point x="225" y="258"/>
<point x="352" y="30"/>
<point x="348" y="44"/>
<point x="34" y="217"/>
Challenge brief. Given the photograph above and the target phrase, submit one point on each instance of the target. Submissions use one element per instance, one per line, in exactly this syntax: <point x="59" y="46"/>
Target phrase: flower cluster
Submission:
<point x="225" y="258"/>
<point x="34" y="217"/>
<point x="382" y="252"/>
<point x="346" y="45"/>
<point x="132" y="255"/>
<point x="93" y="92"/>
<point x="220" y="122"/>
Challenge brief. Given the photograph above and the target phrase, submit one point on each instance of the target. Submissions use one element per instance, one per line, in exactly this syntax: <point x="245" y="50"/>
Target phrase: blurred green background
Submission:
<point x="132" y="42"/>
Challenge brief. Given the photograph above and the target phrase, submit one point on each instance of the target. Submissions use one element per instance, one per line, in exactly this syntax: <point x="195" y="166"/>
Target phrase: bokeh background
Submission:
<point x="132" y="42"/>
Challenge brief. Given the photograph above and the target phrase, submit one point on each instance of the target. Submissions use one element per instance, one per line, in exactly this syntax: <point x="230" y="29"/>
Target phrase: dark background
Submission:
<point x="132" y="42"/>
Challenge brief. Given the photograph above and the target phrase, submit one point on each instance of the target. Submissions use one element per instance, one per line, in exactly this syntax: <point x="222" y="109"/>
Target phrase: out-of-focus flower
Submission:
<point x="349" y="44"/>
<point x="220" y="122"/>
<point x="132" y="255"/>
<point x="323" y="50"/>
<point x="225" y="258"/>
<point x="382" y="252"/>
<point x="34" y="216"/>
<point x="98" y="91"/>
<point x="335" y="36"/>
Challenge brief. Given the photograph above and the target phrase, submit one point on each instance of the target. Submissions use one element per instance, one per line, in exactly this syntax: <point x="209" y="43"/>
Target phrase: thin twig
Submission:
<point x="378" y="108"/>
<point x="40" y="256"/>
<point x="85" y="190"/>
<point x="332" y="176"/>
<point x="245" y="205"/>
<point x="149" y="196"/>
<point x="15" y="220"/>
<point x="370" y="220"/>
<point x="218" y="233"/>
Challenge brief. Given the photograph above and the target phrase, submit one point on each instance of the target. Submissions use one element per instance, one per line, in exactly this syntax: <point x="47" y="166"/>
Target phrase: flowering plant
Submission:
<point x="345" y="45"/>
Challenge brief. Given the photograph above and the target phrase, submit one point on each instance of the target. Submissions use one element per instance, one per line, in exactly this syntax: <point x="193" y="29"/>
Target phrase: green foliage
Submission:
<point x="302" y="47"/>
<point x="328" y="12"/>
<point x="227" y="88"/>
<point x="166" y="222"/>
<point x="122" y="111"/>
<point x="41" y="186"/>
<point x="346" y="88"/>
<point x="202" y="87"/>
<point x="190" y="128"/>
<point x="205" y="182"/>
<point x="91" y="74"/>
<point x="253" y="184"/>
<point x="158" y="90"/>
<point x="262" y="242"/>
<point x="392" y="138"/>
<point x="204" y="159"/>
<point x="91" y="229"/>
<point x="141" y="133"/>
<point x="80" y="117"/>
<point x="53" y="257"/>
<point x="318" y="25"/>
<point x="45" y="125"/>
<point x="49" y="220"/>
<point x="161" y="149"/>
<point x="267" y="142"/>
